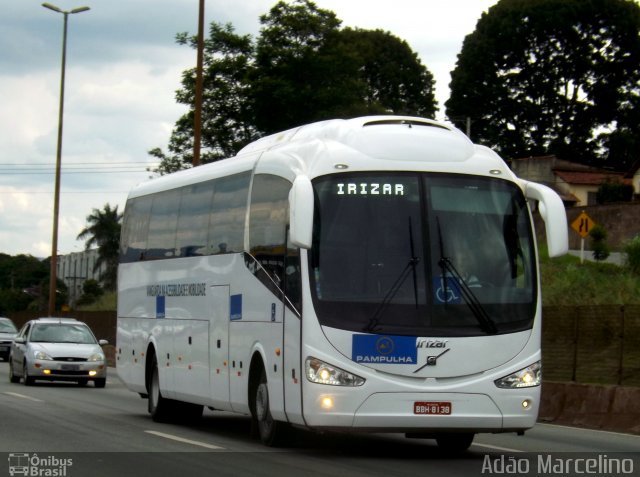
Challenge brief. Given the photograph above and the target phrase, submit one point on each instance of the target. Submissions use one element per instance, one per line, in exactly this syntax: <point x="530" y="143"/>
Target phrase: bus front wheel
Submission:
<point x="270" y="431"/>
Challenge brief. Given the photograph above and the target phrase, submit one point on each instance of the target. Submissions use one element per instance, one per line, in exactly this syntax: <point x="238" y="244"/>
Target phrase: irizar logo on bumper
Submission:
<point x="431" y="343"/>
<point x="384" y="349"/>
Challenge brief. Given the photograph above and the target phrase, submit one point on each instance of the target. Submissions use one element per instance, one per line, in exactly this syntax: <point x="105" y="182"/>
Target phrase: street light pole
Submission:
<point x="56" y="196"/>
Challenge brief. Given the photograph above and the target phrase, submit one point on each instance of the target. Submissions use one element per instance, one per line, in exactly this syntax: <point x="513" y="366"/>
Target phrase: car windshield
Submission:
<point x="7" y="326"/>
<point x="62" y="333"/>
<point x="422" y="254"/>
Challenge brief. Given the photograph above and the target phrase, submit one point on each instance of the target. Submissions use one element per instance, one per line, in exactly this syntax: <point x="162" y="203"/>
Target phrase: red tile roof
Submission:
<point x="590" y="178"/>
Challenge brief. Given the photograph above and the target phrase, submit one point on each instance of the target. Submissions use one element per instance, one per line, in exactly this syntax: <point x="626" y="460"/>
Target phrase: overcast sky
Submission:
<point x="123" y="68"/>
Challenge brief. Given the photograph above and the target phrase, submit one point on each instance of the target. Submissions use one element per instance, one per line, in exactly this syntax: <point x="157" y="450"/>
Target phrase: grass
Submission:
<point x="106" y="302"/>
<point x="565" y="281"/>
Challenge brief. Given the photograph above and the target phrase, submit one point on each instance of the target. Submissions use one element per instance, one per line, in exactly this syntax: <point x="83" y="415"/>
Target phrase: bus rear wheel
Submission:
<point x="159" y="407"/>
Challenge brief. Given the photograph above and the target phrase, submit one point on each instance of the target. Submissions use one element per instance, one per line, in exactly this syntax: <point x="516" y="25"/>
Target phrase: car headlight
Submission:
<point x="322" y="373"/>
<point x="525" y="378"/>
<point x="96" y="357"/>
<point x="42" y="355"/>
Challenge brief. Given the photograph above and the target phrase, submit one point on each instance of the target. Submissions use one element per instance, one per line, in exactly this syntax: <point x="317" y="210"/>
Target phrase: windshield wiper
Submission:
<point x="373" y="323"/>
<point x="484" y="320"/>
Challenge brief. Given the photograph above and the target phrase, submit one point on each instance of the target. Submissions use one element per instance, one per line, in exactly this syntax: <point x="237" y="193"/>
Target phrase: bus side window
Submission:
<point x="193" y="221"/>
<point x="133" y="246"/>
<point x="228" y="211"/>
<point x="163" y="225"/>
<point x="268" y="223"/>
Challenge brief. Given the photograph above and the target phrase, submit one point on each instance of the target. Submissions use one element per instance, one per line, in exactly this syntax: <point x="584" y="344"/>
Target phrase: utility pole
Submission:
<point x="197" y="109"/>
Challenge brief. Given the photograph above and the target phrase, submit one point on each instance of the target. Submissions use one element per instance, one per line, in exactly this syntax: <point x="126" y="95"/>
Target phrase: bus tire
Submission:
<point x="270" y="431"/>
<point x="188" y="412"/>
<point x="455" y="442"/>
<point x="159" y="407"/>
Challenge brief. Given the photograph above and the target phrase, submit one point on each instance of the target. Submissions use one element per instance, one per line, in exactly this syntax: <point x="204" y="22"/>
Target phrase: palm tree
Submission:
<point x="103" y="231"/>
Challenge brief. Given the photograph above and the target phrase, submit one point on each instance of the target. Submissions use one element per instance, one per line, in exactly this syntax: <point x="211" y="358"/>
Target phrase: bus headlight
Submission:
<point x="525" y="378"/>
<point x="323" y="373"/>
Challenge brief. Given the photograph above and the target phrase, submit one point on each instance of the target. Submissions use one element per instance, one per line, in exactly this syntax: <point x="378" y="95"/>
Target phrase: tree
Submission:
<point x="21" y="271"/>
<point x="302" y="68"/>
<point x="20" y="277"/>
<point x="91" y="291"/>
<point x="549" y="77"/>
<point x="226" y="113"/>
<point x="395" y="81"/>
<point x="303" y="72"/>
<point x="598" y="236"/>
<point x="103" y="232"/>
<point x="611" y="192"/>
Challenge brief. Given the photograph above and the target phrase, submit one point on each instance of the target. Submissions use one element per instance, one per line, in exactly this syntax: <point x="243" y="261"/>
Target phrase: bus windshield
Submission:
<point x="422" y="254"/>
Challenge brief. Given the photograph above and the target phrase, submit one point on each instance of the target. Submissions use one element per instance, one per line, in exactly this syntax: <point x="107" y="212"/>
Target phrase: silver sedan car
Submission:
<point x="57" y="349"/>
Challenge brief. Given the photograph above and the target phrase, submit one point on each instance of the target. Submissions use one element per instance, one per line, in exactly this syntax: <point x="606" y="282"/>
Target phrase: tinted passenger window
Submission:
<point x="193" y="221"/>
<point x="134" y="229"/>
<point x="163" y="224"/>
<point x="228" y="212"/>
<point x="207" y="218"/>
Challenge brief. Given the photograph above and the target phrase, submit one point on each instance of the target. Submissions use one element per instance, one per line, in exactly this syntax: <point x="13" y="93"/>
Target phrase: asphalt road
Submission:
<point x="84" y="431"/>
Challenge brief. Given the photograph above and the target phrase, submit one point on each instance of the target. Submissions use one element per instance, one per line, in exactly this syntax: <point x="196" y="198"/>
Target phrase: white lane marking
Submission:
<point x="498" y="448"/>
<point x="22" y="396"/>
<point x="186" y="441"/>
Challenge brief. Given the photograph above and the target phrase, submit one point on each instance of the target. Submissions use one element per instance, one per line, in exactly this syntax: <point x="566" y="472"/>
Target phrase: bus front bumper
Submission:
<point x="514" y="410"/>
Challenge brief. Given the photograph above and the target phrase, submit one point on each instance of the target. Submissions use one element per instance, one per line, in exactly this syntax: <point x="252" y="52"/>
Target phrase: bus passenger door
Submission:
<point x="293" y="374"/>
<point x="292" y="365"/>
<point x="219" y="344"/>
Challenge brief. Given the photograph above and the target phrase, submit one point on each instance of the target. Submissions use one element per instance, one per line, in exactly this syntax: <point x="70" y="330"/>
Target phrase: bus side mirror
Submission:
<point x="301" y="212"/>
<point x="554" y="215"/>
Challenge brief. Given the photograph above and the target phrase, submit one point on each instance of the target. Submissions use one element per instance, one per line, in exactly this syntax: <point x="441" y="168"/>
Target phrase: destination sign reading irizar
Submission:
<point x="369" y="188"/>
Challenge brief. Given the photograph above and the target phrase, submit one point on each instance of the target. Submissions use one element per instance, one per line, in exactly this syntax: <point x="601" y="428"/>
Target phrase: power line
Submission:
<point x="72" y="171"/>
<point x="77" y="163"/>
<point x="77" y="168"/>
<point x="64" y="192"/>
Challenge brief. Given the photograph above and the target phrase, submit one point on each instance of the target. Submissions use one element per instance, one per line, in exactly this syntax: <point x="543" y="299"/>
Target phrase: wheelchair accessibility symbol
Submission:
<point x="448" y="292"/>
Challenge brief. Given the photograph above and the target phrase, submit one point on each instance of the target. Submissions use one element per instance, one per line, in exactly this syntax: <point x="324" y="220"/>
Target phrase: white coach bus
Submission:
<point x="377" y="274"/>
